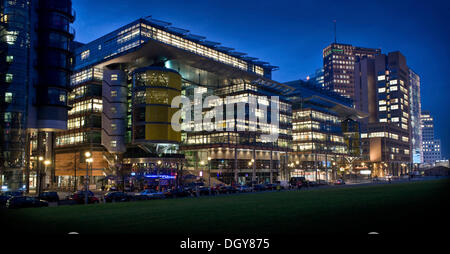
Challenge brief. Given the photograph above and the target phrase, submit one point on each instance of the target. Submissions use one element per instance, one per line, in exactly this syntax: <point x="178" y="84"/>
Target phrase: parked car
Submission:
<point x="50" y="196"/>
<point x="271" y="186"/>
<point x="117" y="196"/>
<point x="312" y="184"/>
<point x="244" y="188"/>
<point x="151" y="194"/>
<point x="339" y="182"/>
<point x="178" y="192"/>
<point x="322" y="182"/>
<point x="204" y="190"/>
<point x="295" y="182"/>
<point x="227" y="189"/>
<point x="259" y="187"/>
<point x="3" y="199"/>
<point x="79" y="197"/>
<point x="13" y="193"/>
<point x="25" y="202"/>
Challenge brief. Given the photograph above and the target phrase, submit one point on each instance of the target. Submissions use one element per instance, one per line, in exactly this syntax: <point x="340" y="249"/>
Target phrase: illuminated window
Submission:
<point x="62" y="98"/>
<point x="393" y="82"/>
<point x="381" y="77"/>
<point x="113" y="143"/>
<point x="383" y="108"/>
<point x="114" y="77"/>
<point x="8" y="97"/>
<point x="8" y="78"/>
<point x="393" y="88"/>
<point x="394" y="107"/>
<point x="9" y="59"/>
<point x="85" y="54"/>
<point x="7" y="117"/>
<point x="113" y="93"/>
<point x="113" y="126"/>
<point x="383" y="120"/>
<point x="381" y="90"/>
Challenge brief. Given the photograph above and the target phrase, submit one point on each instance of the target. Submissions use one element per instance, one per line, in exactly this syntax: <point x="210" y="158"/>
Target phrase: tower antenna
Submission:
<point x="334" y="21"/>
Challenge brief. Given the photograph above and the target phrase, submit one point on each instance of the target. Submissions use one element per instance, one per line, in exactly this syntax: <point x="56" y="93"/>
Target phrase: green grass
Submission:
<point x="382" y="208"/>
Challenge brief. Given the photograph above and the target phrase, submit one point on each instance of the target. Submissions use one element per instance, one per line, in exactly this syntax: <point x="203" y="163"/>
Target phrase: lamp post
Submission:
<point x="39" y="173"/>
<point x="202" y="163"/>
<point x="86" y="183"/>
<point x="46" y="163"/>
<point x="157" y="173"/>
<point x="209" y="174"/>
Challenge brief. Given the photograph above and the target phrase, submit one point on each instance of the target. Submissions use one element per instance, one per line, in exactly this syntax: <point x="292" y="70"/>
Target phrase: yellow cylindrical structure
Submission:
<point x="153" y="91"/>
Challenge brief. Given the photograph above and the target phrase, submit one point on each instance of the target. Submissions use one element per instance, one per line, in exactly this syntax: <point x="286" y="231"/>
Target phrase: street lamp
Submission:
<point x="39" y="175"/>
<point x="86" y="184"/>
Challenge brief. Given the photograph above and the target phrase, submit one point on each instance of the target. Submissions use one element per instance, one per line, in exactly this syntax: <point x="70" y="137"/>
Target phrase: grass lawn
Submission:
<point x="407" y="207"/>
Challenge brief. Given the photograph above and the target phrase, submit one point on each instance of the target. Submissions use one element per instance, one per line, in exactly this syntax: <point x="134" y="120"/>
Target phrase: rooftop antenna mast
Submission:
<point x="334" y="22"/>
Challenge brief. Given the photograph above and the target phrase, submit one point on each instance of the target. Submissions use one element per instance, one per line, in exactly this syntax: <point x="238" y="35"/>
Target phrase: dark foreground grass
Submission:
<point x="409" y="207"/>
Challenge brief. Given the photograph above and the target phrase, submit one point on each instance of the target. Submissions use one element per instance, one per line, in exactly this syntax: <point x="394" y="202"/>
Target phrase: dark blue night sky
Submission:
<point x="292" y="34"/>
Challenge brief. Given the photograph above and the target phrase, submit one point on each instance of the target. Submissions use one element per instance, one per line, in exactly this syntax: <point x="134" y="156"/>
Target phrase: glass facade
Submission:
<point x="148" y="92"/>
<point x="14" y="77"/>
<point x="35" y="63"/>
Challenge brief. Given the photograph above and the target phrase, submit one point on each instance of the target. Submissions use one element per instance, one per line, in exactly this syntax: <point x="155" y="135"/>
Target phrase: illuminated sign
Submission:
<point x="161" y="176"/>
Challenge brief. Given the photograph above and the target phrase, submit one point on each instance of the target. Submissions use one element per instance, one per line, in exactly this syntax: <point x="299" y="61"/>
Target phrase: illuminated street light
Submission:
<point x="41" y="158"/>
<point x="47" y="162"/>
<point x="89" y="160"/>
<point x="209" y="158"/>
<point x="159" y="162"/>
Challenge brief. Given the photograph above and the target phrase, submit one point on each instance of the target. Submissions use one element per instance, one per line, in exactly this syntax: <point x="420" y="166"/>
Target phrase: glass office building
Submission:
<point x="35" y="64"/>
<point x="325" y="132"/>
<point x="123" y="86"/>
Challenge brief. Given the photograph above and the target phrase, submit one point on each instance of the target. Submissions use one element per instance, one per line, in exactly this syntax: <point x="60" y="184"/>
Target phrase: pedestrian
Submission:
<point x="103" y="187"/>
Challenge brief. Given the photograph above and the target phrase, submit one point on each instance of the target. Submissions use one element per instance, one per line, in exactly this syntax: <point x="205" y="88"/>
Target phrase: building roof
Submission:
<point x="116" y="50"/>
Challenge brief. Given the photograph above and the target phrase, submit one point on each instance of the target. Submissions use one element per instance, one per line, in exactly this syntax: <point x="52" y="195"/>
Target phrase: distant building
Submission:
<point x="384" y="84"/>
<point x="316" y="78"/>
<point x="430" y="145"/>
<point x="325" y="133"/>
<point x="338" y="66"/>
<point x="415" y="112"/>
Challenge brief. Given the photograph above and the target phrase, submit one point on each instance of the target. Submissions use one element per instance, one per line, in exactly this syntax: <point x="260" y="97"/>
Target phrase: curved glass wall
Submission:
<point x="153" y="91"/>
